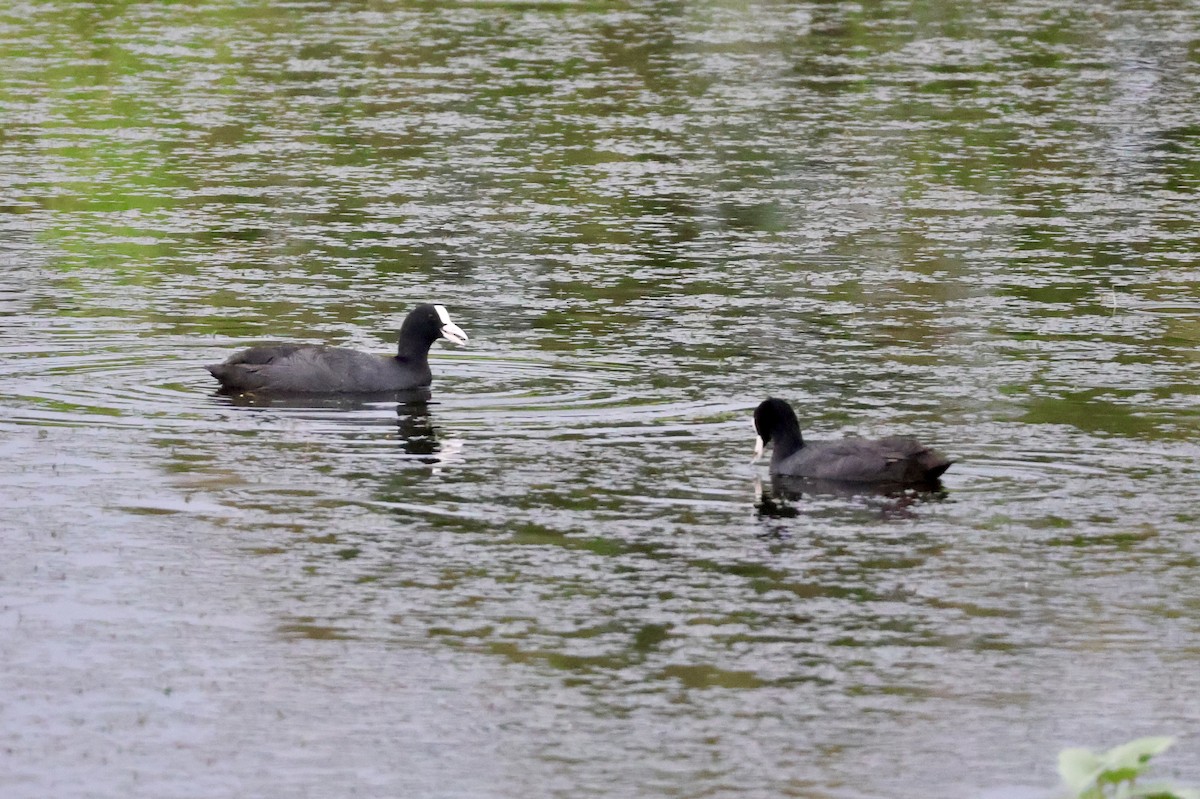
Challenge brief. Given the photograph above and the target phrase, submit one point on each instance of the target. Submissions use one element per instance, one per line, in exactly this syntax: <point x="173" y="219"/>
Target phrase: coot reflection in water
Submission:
<point x="415" y="430"/>
<point x="411" y="399"/>
<point x="783" y="497"/>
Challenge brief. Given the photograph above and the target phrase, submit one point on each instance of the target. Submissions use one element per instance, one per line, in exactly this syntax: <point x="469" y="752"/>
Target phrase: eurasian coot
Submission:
<point x="895" y="460"/>
<point x="318" y="369"/>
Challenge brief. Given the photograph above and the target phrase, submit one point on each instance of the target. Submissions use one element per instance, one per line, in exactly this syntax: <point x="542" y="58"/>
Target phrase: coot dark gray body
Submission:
<point x="317" y="369"/>
<point x="894" y="460"/>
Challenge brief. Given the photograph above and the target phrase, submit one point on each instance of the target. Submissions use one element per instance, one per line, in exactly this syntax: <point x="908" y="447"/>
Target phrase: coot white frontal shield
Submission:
<point x="450" y="331"/>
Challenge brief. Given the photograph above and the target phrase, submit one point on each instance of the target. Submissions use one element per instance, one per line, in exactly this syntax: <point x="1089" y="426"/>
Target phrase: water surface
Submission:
<point x="560" y="576"/>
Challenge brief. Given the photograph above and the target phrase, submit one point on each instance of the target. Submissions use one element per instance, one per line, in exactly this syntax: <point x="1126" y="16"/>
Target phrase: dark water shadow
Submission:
<point x="416" y="433"/>
<point x="415" y="430"/>
<point x="348" y="402"/>
<point x="784" y="498"/>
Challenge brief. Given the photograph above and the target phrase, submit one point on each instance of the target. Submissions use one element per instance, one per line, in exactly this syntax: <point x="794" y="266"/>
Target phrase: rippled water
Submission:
<point x="560" y="576"/>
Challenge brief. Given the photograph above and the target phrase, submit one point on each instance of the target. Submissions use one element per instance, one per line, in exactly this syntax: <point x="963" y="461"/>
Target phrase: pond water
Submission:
<point x="974" y="223"/>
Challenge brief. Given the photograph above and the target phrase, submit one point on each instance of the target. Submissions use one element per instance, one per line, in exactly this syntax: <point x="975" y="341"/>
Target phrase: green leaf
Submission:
<point x="1079" y="768"/>
<point x="1126" y="762"/>
<point x="1163" y="790"/>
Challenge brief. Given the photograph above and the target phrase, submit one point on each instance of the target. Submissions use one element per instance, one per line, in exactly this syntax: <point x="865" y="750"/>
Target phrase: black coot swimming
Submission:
<point x="894" y="460"/>
<point x="317" y="369"/>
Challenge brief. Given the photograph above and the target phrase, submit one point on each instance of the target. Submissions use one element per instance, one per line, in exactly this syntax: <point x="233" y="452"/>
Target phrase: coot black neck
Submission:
<point x="787" y="442"/>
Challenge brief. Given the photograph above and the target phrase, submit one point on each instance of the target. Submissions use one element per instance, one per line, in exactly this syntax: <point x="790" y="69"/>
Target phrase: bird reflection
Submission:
<point x="415" y="431"/>
<point x="414" y="428"/>
<point x="783" y="497"/>
<point x="346" y="402"/>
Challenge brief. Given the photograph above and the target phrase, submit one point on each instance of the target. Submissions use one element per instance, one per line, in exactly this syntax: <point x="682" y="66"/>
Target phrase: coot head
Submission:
<point x="774" y="418"/>
<point x="425" y="324"/>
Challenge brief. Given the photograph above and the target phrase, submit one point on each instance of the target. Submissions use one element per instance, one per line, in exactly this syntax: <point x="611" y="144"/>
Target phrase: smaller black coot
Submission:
<point x="318" y="369"/>
<point x="893" y="460"/>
